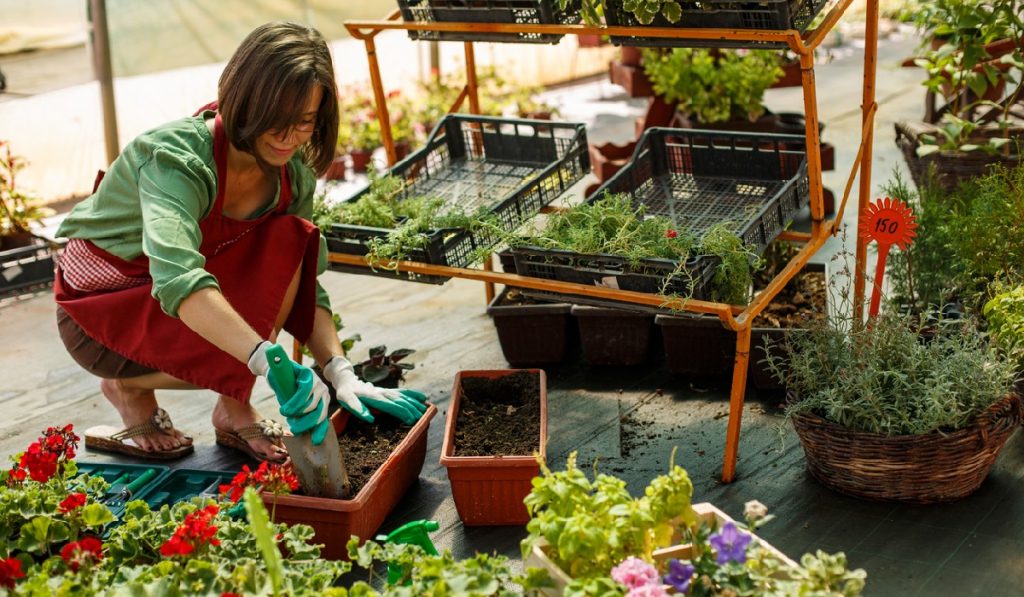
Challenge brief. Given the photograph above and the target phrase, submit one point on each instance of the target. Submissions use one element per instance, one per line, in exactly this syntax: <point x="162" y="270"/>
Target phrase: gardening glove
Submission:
<point x="306" y="408"/>
<point x="355" y="395"/>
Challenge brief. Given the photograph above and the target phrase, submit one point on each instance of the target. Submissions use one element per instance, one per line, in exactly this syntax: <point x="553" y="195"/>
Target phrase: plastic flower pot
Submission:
<point x="697" y="346"/>
<point x="489" y="490"/>
<point x="337" y="169"/>
<point x="530" y="334"/>
<point x="706" y="514"/>
<point x="360" y="159"/>
<point x="613" y="336"/>
<point x="333" y="520"/>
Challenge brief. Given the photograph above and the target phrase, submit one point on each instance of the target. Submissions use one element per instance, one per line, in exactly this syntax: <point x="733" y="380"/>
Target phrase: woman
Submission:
<point x="196" y="249"/>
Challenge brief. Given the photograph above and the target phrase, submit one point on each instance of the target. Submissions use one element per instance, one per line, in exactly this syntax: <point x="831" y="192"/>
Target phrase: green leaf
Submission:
<point x="96" y="515"/>
<point x="672" y="11"/>
<point x="926" y="150"/>
<point x="969" y="147"/>
<point x="264" y="535"/>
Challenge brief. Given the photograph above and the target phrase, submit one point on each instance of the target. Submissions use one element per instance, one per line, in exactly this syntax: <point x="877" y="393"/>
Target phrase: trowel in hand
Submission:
<point x="319" y="467"/>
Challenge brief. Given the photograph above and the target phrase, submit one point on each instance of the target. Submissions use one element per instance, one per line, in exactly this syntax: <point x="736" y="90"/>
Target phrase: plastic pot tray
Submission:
<point x="515" y="12"/>
<point x="489" y="490"/>
<point x="535" y="334"/>
<point x="613" y="336"/>
<point x="509" y="167"/>
<point x="335" y="521"/>
<point x="24" y="267"/>
<point x="114" y="473"/>
<point x="184" y="484"/>
<point x="756" y="182"/>
<point x="719" y="14"/>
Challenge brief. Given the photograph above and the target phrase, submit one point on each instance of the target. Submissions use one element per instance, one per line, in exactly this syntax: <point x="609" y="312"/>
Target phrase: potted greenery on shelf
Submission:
<point x="25" y="259"/>
<point x="975" y="49"/>
<point x="1004" y="314"/>
<point x="715" y="86"/>
<point x="869" y="399"/>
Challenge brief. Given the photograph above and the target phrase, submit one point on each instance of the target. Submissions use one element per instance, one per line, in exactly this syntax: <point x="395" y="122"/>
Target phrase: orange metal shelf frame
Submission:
<point x="734" y="317"/>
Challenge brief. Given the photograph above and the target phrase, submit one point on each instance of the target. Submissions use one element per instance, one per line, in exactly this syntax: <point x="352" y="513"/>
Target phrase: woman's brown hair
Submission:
<point x="267" y="83"/>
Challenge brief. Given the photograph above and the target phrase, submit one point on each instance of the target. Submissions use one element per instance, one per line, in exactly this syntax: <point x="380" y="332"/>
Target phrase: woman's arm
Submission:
<point x="323" y="340"/>
<point x="208" y="313"/>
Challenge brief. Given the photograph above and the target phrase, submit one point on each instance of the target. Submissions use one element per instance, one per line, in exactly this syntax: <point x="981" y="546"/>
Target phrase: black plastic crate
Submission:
<point x="690" y="177"/>
<point x="510" y="167"/>
<point x="765" y="15"/>
<point x="512" y="12"/>
<point x="25" y="267"/>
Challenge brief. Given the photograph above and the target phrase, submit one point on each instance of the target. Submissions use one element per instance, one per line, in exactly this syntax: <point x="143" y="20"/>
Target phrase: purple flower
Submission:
<point x="634" y="573"/>
<point x="679" y="575"/>
<point x="731" y="544"/>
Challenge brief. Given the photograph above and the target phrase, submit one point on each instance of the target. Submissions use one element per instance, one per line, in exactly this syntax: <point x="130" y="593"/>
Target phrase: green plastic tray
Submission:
<point x="184" y="484"/>
<point x="119" y="475"/>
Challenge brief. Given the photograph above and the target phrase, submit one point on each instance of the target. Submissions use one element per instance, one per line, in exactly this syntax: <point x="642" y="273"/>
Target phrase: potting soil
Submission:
<point x="499" y="417"/>
<point x="365" y="447"/>
<point x="801" y="301"/>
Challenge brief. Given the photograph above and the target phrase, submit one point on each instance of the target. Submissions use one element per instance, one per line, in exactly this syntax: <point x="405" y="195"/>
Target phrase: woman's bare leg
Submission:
<point x="231" y="414"/>
<point x="135" y="401"/>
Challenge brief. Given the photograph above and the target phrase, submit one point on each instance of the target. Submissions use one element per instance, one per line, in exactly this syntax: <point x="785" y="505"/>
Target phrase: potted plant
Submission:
<point x="25" y="259"/>
<point x="974" y="50"/>
<point x="1004" y="314"/>
<point x="495" y="434"/>
<point x="869" y="399"/>
<point x="383" y="369"/>
<point x="591" y="537"/>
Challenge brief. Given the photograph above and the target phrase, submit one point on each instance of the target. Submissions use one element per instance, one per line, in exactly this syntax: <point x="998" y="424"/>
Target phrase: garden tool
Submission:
<point x="126" y="493"/>
<point x="314" y="451"/>
<point x="412" y="533"/>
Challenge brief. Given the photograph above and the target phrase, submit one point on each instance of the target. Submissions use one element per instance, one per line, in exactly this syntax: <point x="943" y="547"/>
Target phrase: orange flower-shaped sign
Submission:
<point x="889" y="222"/>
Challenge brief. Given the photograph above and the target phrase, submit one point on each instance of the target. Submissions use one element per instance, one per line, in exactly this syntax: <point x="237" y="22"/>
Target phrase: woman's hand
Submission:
<point x="355" y="395"/>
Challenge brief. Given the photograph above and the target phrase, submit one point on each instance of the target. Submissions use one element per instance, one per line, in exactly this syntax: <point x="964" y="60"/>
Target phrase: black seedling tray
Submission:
<point x="25" y="267"/>
<point x="514" y="12"/>
<point x="184" y="484"/>
<point x="765" y="15"/>
<point x="692" y="178"/>
<point x="509" y="167"/>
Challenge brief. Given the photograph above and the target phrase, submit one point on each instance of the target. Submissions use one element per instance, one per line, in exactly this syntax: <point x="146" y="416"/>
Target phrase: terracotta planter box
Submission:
<point x="706" y="513"/>
<point x="536" y="334"/>
<point x="489" y="490"/>
<point x="613" y="336"/>
<point x="334" y="521"/>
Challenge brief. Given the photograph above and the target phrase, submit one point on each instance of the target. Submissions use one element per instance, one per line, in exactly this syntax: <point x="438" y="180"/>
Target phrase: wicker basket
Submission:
<point x="930" y="468"/>
<point x="951" y="167"/>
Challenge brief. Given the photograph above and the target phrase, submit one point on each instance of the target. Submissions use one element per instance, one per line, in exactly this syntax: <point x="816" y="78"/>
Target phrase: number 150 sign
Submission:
<point x="888" y="222"/>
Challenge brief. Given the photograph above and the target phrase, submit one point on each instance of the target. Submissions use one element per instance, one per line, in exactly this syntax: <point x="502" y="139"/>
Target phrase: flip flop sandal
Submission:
<point x="105" y="438"/>
<point x="239" y="438"/>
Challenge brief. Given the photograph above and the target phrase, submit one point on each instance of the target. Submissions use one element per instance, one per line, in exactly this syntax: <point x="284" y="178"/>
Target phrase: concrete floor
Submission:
<point x="628" y="418"/>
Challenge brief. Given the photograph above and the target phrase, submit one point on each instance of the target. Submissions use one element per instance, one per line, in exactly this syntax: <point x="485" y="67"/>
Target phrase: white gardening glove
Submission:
<point x="319" y="395"/>
<point x="355" y="394"/>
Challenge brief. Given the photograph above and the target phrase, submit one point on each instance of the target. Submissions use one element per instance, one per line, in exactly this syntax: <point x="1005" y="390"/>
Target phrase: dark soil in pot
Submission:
<point x="499" y="416"/>
<point x="367" y="445"/>
<point x="799" y="302"/>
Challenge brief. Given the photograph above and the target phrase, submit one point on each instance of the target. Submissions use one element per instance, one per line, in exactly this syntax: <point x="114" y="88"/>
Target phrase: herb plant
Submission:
<point x="1005" y="316"/>
<point x="645" y="11"/>
<point x="18" y="209"/>
<point x="713" y="85"/>
<point x="384" y="369"/>
<point x="612" y="225"/>
<point x="883" y="378"/>
<point x="967" y="239"/>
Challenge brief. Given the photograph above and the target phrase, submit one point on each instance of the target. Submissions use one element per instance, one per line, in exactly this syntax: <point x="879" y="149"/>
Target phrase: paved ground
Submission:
<point x="629" y="418"/>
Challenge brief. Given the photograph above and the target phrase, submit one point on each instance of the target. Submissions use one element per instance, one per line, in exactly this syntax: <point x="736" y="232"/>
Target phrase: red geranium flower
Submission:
<point x="10" y="571"/>
<point x="194" y="533"/>
<point x="87" y="551"/>
<point x="671" y="233"/>
<point x="73" y="501"/>
<point x="279" y="479"/>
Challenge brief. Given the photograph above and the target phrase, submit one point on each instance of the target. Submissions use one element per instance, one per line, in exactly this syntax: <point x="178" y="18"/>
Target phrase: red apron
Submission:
<point x="253" y="261"/>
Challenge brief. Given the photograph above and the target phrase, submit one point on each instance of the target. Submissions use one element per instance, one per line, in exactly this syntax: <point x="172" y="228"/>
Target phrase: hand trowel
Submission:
<point x="319" y="467"/>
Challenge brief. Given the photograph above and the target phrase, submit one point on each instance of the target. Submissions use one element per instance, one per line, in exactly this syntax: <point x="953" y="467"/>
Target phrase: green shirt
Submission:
<point x="152" y="199"/>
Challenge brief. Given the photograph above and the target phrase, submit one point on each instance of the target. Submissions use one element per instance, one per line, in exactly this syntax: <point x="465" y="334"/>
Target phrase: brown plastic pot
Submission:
<point x="697" y="346"/>
<point x="337" y="169"/>
<point x="489" y="490"/>
<point x="334" y="521"/>
<point x="360" y="159"/>
<point x="530" y="334"/>
<point x="613" y="336"/>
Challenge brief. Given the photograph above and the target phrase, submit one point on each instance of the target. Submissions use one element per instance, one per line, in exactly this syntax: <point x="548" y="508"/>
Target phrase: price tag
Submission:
<point x="888" y="222"/>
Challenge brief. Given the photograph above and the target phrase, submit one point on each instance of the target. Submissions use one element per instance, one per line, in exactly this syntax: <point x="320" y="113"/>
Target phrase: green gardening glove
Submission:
<point x="355" y="395"/>
<point x="301" y="395"/>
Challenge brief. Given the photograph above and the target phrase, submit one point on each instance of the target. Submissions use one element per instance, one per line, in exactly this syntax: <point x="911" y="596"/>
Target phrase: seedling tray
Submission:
<point x="514" y="12"/>
<point x="690" y="177"/>
<point x="509" y="167"/>
<point x="114" y="474"/>
<point x="25" y="267"/>
<point x="765" y="15"/>
<point x="184" y="484"/>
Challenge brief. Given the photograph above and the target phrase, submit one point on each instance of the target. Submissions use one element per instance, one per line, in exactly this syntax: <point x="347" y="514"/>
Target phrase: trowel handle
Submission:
<point x="281" y="365"/>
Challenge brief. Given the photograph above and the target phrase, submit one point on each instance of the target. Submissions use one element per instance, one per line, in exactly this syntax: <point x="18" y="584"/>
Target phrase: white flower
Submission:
<point x="271" y="429"/>
<point x="162" y="420"/>
<point x="754" y="510"/>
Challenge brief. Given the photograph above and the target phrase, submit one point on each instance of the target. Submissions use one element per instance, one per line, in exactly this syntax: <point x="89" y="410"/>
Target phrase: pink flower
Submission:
<point x="647" y="591"/>
<point x="634" y="573"/>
